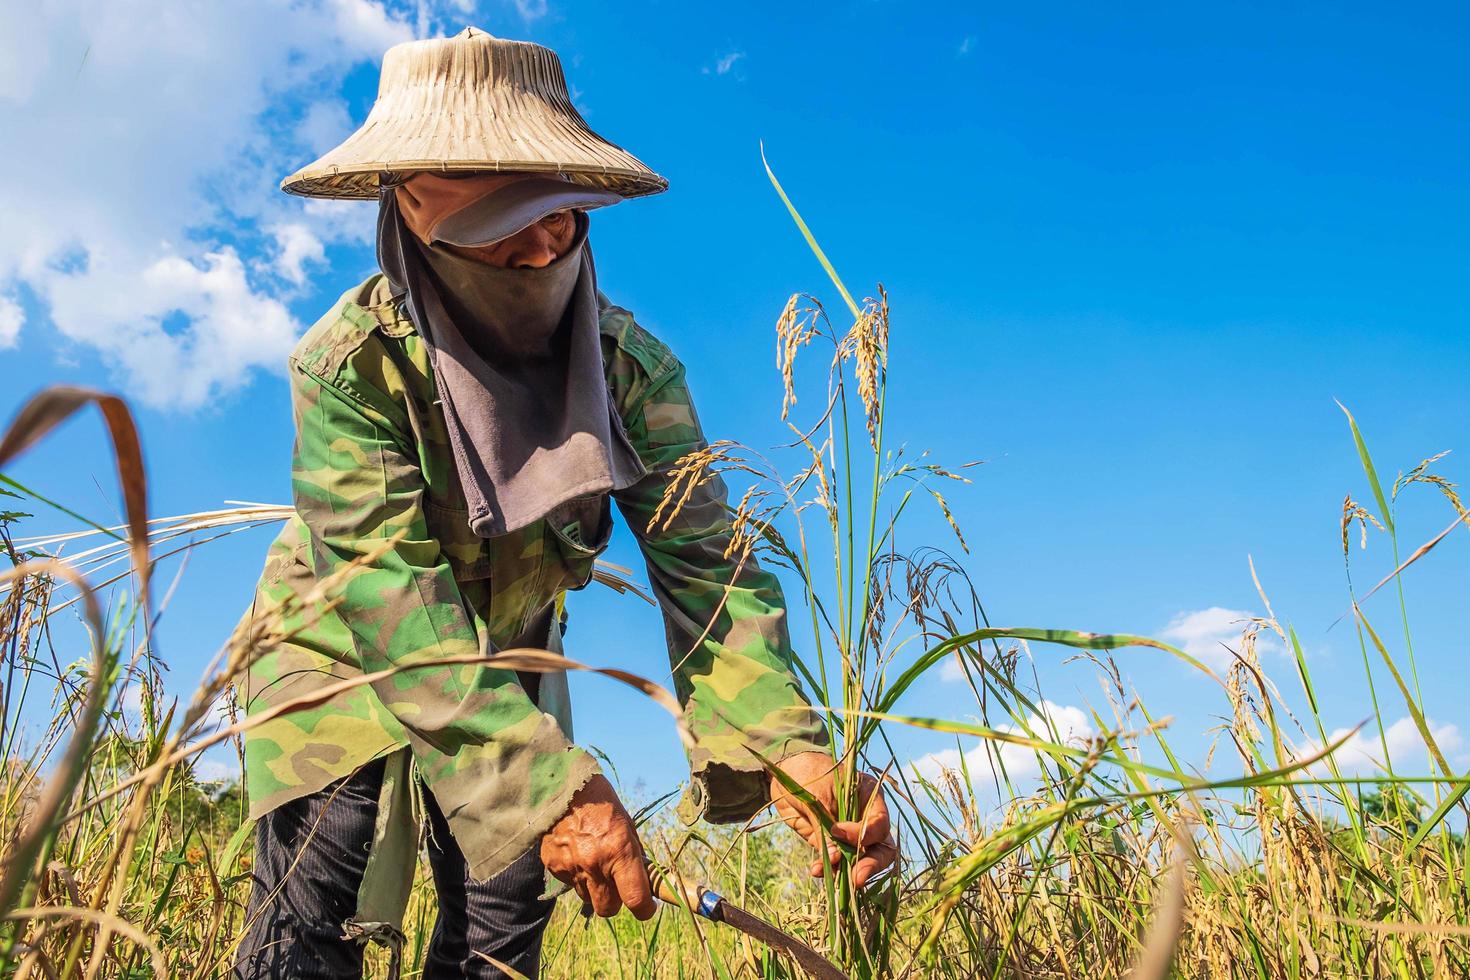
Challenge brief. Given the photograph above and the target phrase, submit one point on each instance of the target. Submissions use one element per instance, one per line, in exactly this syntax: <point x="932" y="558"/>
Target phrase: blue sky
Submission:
<point x="1134" y="253"/>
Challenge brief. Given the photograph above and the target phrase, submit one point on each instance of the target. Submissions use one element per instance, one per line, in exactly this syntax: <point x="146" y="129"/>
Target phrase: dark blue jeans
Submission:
<point x="305" y="886"/>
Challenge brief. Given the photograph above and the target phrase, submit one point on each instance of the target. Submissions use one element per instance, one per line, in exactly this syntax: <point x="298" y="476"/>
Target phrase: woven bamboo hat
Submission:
<point x="471" y="103"/>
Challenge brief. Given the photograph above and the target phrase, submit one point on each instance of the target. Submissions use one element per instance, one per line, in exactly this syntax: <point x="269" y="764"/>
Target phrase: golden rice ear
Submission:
<point x="472" y="103"/>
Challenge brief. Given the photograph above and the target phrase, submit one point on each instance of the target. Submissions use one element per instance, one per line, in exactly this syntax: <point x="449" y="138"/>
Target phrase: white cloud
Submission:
<point x="1205" y="634"/>
<point x="966" y="45"/>
<point x="367" y="27"/>
<point x="132" y="700"/>
<point x="323" y="125"/>
<point x="296" y="245"/>
<point x="531" y="9"/>
<point x="177" y="331"/>
<point x="217" y="765"/>
<point x="336" y="221"/>
<point x="1062" y="723"/>
<point x="1362" y="753"/>
<point x="215" y="771"/>
<point x="725" y="63"/>
<point x="23" y="64"/>
<point x="219" y="714"/>
<point x="12" y="318"/>
<point x="155" y="137"/>
<point x="950" y="669"/>
<point x="577" y="101"/>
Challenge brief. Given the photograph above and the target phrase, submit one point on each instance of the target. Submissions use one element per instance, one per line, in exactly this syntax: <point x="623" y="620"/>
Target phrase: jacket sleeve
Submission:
<point x="725" y="619"/>
<point x="500" y="769"/>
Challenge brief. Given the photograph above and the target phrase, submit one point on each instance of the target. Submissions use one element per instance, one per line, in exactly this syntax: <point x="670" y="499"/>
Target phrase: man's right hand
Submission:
<point x="595" y="849"/>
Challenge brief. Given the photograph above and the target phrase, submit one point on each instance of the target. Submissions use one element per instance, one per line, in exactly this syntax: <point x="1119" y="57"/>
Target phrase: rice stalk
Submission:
<point x="1031" y="851"/>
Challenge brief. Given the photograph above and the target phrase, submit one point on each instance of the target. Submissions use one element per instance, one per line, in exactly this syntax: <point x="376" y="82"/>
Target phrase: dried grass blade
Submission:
<point x="1071" y="638"/>
<point x="518" y="659"/>
<point x="1419" y="552"/>
<point x="53" y="406"/>
<point x="110" y="922"/>
<point x="1163" y="933"/>
<point x="58" y="792"/>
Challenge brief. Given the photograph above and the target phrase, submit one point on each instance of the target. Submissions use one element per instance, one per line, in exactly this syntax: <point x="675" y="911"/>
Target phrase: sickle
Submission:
<point x="712" y="906"/>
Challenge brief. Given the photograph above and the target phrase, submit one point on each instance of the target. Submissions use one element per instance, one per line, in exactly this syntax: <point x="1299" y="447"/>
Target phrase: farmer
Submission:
<point x="463" y="422"/>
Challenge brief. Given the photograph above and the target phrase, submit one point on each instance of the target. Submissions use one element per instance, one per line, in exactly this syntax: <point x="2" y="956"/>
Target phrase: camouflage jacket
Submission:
<point x="372" y="461"/>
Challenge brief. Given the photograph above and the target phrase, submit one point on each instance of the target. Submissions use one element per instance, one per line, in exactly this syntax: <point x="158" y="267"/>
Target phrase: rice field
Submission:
<point x="1115" y="856"/>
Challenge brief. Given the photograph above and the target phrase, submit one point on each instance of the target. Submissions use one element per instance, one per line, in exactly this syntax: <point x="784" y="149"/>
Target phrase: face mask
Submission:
<point x="509" y="314"/>
<point x="517" y="361"/>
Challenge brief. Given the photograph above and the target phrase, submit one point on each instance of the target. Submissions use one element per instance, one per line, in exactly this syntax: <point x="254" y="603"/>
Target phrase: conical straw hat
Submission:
<point x="468" y="103"/>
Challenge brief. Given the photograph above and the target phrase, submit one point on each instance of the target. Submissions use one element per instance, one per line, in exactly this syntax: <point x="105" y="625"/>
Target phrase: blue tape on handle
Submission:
<point x="707" y="902"/>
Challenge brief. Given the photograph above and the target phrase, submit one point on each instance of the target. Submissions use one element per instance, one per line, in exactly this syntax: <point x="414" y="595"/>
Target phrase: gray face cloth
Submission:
<point x="518" y="365"/>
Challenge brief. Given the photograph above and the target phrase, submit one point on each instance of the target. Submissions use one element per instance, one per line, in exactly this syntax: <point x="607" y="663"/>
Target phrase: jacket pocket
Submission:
<point x="581" y="529"/>
<point x="468" y="554"/>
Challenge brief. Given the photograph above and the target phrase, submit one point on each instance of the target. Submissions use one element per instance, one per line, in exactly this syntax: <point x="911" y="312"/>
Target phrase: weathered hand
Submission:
<point x="870" y="833"/>
<point x="595" y="849"/>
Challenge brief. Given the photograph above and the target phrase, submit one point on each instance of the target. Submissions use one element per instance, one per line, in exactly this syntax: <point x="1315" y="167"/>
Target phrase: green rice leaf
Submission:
<point x="1369" y="469"/>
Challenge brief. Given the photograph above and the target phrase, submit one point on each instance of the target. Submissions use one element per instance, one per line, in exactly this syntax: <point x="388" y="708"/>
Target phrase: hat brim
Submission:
<point x="515" y="207"/>
<point x="363" y="181"/>
<point x="472" y="103"/>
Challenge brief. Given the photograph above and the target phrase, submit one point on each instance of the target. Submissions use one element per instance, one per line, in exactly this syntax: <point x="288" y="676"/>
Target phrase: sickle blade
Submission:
<point x="762" y="931"/>
<point x="711" y="905"/>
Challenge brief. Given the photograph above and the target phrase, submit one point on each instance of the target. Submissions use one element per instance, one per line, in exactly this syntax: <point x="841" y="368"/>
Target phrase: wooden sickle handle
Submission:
<point x="701" y="901"/>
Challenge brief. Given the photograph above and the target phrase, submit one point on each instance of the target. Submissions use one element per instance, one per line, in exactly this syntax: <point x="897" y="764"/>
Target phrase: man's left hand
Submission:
<point x="870" y="832"/>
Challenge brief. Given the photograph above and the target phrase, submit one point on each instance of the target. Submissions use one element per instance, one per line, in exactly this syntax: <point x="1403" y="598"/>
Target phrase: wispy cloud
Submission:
<point x="950" y="669"/>
<point x="1059" y="723"/>
<point x="724" y="64"/>
<point x="578" y="102"/>
<point x="216" y="769"/>
<point x="531" y="9"/>
<point x="12" y="318"/>
<point x="366" y="25"/>
<point x="296" y="245"/>
<point x="966" y="46"/>
<point x="169" y="256"/>
<point x="1210" y="634"/>
<point x="1363" y="753"/>
<point x="323" y="125"/>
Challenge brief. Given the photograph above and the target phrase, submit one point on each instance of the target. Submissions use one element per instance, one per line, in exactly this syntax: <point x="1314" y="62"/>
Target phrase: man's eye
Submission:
<point x="555" y="219"/>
